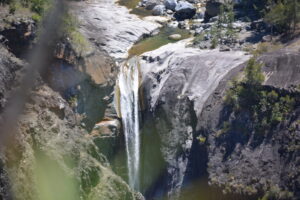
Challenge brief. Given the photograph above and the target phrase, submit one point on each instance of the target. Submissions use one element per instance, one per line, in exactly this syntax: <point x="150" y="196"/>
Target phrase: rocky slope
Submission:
<point x="49" y="134"/>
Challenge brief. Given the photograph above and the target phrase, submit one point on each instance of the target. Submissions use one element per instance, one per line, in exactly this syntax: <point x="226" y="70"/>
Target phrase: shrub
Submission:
<point x="253" y="73"/>
<point x="266" y="108"/>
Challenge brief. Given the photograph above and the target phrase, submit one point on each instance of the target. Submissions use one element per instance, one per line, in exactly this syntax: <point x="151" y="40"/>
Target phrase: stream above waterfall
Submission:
<point x="158" y="40"/>
<point x="132" y="6"/>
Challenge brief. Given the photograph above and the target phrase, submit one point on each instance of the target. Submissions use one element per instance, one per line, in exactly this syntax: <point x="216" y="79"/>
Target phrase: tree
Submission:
<point x="284" y="15"/>
<point x="253" y="73"/>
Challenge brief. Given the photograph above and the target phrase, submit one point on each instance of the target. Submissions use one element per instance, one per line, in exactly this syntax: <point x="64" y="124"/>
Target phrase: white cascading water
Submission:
<point x="128" y="83"/>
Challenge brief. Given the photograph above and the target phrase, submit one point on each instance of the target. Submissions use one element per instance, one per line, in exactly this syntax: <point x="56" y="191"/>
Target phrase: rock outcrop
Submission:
<point x="184" y="10"/>
<point x="115" y="35"/>
<point x="176" y="83"/>
<point x="48" y="127"/>
<point x="247" y="161"/>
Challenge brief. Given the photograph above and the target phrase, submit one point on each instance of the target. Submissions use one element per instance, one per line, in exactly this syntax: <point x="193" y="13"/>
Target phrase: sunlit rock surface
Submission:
<point x="111" y="26"/>
<point x="176" y="83"/>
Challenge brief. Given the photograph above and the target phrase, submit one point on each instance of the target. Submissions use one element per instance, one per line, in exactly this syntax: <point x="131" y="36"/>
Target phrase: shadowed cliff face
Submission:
<point x="176" y="83"/>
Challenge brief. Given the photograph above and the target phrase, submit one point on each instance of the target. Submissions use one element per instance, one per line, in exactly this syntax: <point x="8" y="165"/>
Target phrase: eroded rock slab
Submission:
<point x="177" y="81"/>
<point x="111" y="26"/>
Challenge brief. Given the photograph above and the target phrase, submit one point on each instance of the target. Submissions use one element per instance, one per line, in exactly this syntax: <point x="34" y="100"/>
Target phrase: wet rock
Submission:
<point x="158" y="10"/>
<point x="184" y="10"/>
<point x="170" y="4"/>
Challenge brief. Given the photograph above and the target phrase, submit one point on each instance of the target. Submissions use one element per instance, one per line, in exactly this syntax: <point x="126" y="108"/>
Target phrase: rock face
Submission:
<point x="114" y="34"/>
<point x="176" y="82"/>
<point x="10" y="66"/>
<point x="246" y="163"/>
<point x="84" y="79"/>
<point x="18" y="33"/>
<point x="184" y="10"/>
<point x="49" y="127"/>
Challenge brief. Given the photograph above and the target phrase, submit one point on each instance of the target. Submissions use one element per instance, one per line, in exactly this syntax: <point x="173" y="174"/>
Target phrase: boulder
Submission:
<point x="200" y="14"/>
<point x="184" y="10"/>
<point x="170" y="4"/>
<point x="158" y="10"/>
<point x="267" y="38"/>
<point x="173" y="24"/>
<point x="213" y="7"/>
<point x="150" y="4"/>
<point x="175" y="37"/>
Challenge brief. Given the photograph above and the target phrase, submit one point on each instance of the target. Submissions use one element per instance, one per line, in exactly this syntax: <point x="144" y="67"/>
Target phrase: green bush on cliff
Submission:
<point x="222" y="31"/>
<point x="266" y="108"/>
<point x="69" y="29"/>
<point x="283" y="15"/>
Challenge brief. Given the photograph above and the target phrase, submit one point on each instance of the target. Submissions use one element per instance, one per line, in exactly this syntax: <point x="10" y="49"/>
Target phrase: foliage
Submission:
<point x="267" y="108"/>
<point x="222" y="32"/>
<point x="36" y="6"/>
<point x="284" y="15"/>
<point x="201" y="139"/>
<point x="253" y="73"/>
<point x="265" y="47"/>
<point x="69" y="29"/>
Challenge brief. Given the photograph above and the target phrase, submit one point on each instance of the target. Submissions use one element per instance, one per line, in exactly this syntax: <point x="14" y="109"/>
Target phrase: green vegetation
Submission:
<point x="69" y="30"/>
<point x="283" y="15"/>
<point x="222" y="32"/>
<point x="265" y="47"/>
<point x="201" y="139"/>
<point x="36" y="6"/>
<point x="266" y="107"/>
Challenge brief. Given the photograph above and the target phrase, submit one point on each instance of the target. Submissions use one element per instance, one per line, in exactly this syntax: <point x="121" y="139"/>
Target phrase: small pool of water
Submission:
<point x="132" y="6"/>
<point x="154" y="42"/>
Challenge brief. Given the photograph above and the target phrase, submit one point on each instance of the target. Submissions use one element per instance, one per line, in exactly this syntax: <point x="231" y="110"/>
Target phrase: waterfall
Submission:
<point x="128" y="82"/>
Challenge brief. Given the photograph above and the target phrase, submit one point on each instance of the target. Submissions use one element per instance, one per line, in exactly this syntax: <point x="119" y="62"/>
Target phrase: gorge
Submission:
<point x="156" y="100"/>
